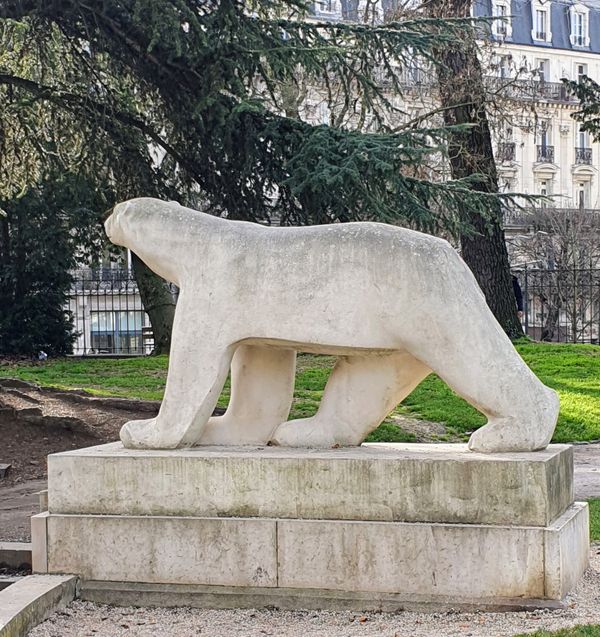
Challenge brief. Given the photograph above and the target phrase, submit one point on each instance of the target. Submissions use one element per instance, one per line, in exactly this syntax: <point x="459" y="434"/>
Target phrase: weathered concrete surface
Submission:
<point x="564" y="556"/>
<point x="39" y="542"/>
<point x="15" y="555"/>
<point x="321" y="289"/>
<point x="421" y="559"/>
<point x="28" y="602"/>
<point x="389" y="482"/>
<point x="222" y="552"/>
<point x="418" y="561"/>
<point x="177" y="595"/>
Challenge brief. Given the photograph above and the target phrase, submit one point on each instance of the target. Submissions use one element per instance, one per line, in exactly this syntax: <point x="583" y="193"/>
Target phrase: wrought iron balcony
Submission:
<point x="506" y="152"/>
<point x="583" y="155"/>
<point x="545" y="154"/>
<point x="534" y="90"/>
<point x="539" y="218"/>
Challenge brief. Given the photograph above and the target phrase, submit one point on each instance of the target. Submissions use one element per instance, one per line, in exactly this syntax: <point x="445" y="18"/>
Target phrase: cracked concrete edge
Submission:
<point x="30" y="601"/>
<point x="15" y="555"/>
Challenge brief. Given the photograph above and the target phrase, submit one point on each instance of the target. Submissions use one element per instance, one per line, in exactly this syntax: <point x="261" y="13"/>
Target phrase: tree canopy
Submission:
<point x="188" y="90"/>
<point x="183" y="99"/>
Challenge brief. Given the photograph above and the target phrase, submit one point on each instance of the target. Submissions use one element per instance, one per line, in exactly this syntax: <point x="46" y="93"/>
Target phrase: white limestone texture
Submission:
<point x="170" y="549"/>
<point x="468" y="562"/>
<point x="394" y="305"/>
<point x="380" y="481"/>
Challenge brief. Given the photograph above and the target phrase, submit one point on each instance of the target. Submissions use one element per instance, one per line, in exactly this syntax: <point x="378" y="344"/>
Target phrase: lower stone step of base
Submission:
<point x="430" y="561"/>
<point x="222" y="597"/>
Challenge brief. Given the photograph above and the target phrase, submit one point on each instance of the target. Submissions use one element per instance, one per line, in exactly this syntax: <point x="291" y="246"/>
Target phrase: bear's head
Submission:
<point x="142" y="225"/>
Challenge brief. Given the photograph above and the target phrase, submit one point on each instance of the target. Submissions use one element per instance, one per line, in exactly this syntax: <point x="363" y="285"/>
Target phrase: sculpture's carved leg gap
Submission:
<point x="262" y="389"/>
<point x="359" y="394"/>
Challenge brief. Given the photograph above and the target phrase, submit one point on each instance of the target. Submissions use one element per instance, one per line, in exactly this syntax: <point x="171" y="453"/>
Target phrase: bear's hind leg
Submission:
<point x="477" y="360"/>
<point x="360" y="393"/>
<point x="262" y="388"/>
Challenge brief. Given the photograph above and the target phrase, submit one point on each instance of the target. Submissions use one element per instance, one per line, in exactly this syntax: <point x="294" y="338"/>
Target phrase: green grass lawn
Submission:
<point x="576" y="631"/>
<point x="573" y="370"/>
<point x="594" y="520"/>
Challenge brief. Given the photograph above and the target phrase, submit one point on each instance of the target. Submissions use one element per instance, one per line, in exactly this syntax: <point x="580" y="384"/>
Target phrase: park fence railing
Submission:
<point x="108" y="314"/>
<point x="561" y="305"/>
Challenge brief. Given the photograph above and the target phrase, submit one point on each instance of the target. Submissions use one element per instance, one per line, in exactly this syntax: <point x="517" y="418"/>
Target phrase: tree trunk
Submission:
<point x="158" y="302"/>
<point x="462" y="95"/>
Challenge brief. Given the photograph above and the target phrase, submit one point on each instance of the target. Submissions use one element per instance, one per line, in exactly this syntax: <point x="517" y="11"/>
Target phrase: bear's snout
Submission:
<point x="112" y="224"/>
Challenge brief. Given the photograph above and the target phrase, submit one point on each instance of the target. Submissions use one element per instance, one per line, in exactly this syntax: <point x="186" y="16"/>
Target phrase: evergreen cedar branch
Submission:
<point x="197" y="63"/>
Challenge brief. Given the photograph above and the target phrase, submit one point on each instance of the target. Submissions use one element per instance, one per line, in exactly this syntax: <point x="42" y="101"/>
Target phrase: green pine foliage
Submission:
<point x="588" y="93"/>
<point x="200" y="81"/>
<point x="41" y="234"/>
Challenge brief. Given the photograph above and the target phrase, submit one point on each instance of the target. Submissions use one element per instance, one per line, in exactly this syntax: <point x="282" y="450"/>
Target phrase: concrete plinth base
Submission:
<point x="297" y="528"/>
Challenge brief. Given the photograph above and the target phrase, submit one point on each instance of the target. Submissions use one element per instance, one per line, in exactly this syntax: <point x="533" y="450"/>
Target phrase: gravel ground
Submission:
<point x="84" y="619"/>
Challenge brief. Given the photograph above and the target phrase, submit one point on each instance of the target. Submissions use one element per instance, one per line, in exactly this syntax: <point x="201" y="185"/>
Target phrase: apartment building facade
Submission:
<point x="530" y="47"/>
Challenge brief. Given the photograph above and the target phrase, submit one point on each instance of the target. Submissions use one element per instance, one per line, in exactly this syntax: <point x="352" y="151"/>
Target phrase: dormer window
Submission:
<point x="327" y="6"/>
<point x="501" y="26"/>
<point x="541" y="31"/>
<point x="580" y="32"/>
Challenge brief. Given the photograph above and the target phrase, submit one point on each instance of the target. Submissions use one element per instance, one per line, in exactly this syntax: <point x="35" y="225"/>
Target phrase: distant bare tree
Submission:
<point x="565" y="244"/>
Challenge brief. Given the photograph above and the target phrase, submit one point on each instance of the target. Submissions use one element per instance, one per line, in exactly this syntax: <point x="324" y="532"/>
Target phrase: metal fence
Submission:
<point x="561" y="305"/>
<point x="108" y="314"/>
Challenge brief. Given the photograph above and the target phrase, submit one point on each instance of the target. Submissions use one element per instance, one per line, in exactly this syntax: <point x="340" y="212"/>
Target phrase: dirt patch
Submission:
<point x="424" y="430"/>
<point x="36" y="421"/>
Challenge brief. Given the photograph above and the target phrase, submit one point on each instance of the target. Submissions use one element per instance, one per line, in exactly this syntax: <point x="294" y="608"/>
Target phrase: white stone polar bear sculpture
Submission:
<point x="392" y="304"/>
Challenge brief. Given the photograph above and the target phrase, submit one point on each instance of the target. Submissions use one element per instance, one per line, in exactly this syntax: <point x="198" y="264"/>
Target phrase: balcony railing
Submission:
<point x="545" y="154"/>
<point x="506" y="152"/>
<point x="538" y="217"/>
<point x="530" y="90"/>
<point x="422" y="80"/>
<point x="583" y="155"/>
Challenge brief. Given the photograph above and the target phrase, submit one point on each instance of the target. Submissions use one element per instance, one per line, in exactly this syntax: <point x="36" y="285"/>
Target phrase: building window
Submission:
<point x="583" y="151"/>
<point x="541" y="24"/>
<point x="582" y="194"/>
<point x="542" y="70"/>
<point x="503" y="65"/>
<point x="545" y="150"/>
<point x="579" y="17"/>
<point x="327" y="6"/>
<point x="545" y="187"/>
<point x="502" y="26"/>
<point x="580" y="71"/>
<point x="541" y="31"/>
<point x="117" y="332"/>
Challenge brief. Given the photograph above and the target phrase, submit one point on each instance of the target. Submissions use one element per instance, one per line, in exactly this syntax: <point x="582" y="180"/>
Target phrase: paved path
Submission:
<point x="587" y="471"/>
<point x="17" y="505"/>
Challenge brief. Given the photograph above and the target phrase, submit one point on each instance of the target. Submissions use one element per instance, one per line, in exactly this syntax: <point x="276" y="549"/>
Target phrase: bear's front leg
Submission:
<point x="198" y="367"/>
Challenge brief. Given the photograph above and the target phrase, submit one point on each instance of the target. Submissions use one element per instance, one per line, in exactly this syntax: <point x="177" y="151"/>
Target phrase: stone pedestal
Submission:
<point x="381" y="526"/>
